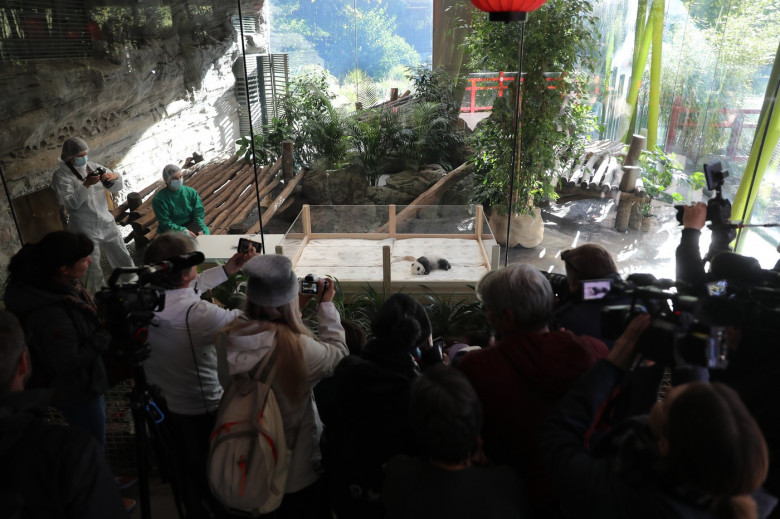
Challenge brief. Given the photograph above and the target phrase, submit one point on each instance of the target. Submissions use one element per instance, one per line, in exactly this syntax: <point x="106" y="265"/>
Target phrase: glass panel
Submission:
<point x="365" y="45"/>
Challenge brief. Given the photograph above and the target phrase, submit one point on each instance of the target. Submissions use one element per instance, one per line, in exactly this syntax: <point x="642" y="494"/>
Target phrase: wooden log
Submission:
<point x="431" y="195"/>
<point x="239" y="212"/>
<point x="623" y="211"/>
<point x="586" y="172"/>
<point x="143" y="193"/>
<point x="287" y="159"/>
<point x="634" y="150"/>
<point x="612" y="176"/>
<point x="628" y="181"/>
<point x="228" y="191"/>
<point x="279" y="201"/>
<point x="598" y="176"/>
<point x="571" y="180"/>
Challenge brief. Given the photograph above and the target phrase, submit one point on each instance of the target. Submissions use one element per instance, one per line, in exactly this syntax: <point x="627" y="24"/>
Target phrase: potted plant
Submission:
<point x="560" y="36"/>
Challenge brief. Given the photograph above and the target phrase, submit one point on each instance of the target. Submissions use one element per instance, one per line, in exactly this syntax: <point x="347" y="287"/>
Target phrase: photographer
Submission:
<point x="690" y="266"/>
<point x="581" y="313"/>
<point x="368" y="422"/>
<point x="272" y="324"/>
<point x="183" y="359"/>
<point x="49" y="470"/>
<point x="521" y="378"/>
<point x="699" y="453"/>
<point x="65" y="336"/>
<point x="81" y="187"/>
<point x="446" y="417"/>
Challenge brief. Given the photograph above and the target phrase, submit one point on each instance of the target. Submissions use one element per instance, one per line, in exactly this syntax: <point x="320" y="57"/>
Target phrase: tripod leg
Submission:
<point x="142" y="462"/>
<point x="163" y="447"/>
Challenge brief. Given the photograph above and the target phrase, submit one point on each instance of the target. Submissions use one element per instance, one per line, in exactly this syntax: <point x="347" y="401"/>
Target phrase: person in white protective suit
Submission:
<point x="80" y="186"/>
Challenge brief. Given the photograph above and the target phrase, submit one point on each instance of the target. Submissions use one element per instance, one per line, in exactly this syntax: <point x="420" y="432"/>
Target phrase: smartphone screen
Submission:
<point x="718" y="288"/>
<point x="244" y="243"/>
<point x="595" y="289"/>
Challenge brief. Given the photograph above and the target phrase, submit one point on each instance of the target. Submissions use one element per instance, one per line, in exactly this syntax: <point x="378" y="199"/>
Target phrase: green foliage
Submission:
<point x="228" y="294"/>
<point x="453" y="319"/>
<point x="430" y="127"/>
<point x="659" y="171"/>
<point x="372" y="27"/>
<point x="374" y="135"/>
<point x="560" y="36"/>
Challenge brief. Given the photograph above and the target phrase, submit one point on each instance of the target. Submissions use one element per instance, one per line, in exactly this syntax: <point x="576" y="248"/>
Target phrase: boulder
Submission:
<point x="343" y="186"/>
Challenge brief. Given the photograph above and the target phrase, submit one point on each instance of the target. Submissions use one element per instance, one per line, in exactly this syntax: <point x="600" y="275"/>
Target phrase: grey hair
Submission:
<point x="11" y="348"/>
<point x="169" y="171"/>
<point x="72" y="147"/>
<point x="521" y="289"/>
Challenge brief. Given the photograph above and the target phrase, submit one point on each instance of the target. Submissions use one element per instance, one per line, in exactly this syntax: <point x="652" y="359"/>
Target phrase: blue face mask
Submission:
<point x="175" y="184"/>
<point x="80" y="161"/>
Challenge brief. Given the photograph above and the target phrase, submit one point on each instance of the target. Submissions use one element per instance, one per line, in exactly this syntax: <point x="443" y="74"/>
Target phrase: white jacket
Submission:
<point x="87" y="207"/>
<point x="321" y="357"/>
<point x="171" y="363"/>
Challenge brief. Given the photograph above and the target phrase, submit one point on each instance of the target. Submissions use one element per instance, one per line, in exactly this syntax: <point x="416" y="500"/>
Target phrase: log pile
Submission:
<point x="228" y="193"/>
<point x="596" y="174"/>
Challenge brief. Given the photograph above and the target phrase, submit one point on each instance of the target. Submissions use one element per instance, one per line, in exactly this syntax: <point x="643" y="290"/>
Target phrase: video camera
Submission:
<point x="128" y="308"/>
<point x="678" y="334"/>
<point x="718" y="210"/>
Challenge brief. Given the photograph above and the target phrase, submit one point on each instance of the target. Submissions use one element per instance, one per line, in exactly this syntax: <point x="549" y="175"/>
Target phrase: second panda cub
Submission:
<point x="425" y="264"/>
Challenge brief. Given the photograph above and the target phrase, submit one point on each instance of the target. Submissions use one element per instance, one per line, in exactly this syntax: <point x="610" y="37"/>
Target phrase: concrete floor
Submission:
<point x="593" y="221"/>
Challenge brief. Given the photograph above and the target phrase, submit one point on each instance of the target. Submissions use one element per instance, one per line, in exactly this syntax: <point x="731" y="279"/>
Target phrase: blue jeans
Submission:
<point x="90" y="416"/>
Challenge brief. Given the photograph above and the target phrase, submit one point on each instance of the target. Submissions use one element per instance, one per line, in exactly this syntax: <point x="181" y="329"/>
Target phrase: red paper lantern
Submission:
<point x="508" y="10"/>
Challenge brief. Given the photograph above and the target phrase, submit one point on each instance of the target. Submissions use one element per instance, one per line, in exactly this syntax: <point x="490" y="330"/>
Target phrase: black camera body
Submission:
<point x="99" y="172"/>
<point x="680" y="332"/>
<point x="309" y="284"/>
<point x="128" y="309"/>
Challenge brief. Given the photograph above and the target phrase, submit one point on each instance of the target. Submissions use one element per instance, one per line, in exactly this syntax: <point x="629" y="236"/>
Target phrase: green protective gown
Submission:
<point x="175" y="209"/>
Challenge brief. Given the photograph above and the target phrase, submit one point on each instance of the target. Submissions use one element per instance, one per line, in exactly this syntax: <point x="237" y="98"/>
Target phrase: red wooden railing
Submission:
<point x="735" y="120"/>
<point x="476" y="82"/>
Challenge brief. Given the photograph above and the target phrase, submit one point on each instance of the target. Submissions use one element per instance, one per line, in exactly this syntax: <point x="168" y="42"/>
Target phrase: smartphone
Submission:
<point x="718" y="288"/>
<point x="438" y="347"/>
<point x="595" y="289"/>
<point x="244" y="243"/>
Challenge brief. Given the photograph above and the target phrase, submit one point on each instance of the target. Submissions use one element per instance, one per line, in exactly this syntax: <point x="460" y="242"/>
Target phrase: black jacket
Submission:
<point x="65" y="338"/>
<point x="51" y="470"/>
<point x="623" y="477"/>
<point x="367" y="425"/>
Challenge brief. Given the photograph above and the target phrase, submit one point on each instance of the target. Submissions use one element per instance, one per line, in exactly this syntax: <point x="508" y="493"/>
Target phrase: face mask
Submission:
<point x="80" y="161"/>
<point x="175" y="184"/>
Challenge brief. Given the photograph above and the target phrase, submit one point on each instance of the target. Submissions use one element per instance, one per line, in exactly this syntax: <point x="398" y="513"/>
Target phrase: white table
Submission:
<point x="222" y="246"/>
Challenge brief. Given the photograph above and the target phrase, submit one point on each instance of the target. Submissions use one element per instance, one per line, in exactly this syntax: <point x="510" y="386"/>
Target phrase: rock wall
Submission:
<point x="157" y="104"/>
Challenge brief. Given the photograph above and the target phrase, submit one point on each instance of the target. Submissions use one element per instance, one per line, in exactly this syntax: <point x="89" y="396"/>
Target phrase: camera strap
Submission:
<point x="195" y="358"/>
<point x="75" y="171"/>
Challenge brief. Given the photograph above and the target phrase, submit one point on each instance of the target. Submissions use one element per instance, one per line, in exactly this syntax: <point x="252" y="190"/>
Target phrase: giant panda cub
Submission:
<point x="423" y="265"/>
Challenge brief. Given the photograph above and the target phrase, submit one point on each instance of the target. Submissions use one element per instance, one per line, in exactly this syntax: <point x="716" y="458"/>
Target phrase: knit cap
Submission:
<point x="272" y="282"/>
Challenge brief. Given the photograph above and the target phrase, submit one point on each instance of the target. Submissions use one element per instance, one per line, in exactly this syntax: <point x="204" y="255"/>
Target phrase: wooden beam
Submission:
<point x="430" y="196"/>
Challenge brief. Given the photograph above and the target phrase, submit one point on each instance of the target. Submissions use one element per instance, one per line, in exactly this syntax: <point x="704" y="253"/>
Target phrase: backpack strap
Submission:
<point x="195" y="358"/>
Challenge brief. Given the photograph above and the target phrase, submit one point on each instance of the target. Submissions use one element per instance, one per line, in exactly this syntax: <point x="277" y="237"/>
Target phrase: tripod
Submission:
<point x="147" y="412"/>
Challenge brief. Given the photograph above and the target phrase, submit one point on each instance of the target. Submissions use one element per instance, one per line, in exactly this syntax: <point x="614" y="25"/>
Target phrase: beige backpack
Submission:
<point x="248" y="457"/>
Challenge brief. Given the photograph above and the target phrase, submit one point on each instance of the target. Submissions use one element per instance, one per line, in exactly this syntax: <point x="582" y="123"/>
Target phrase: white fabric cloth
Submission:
<point x="302" y="425"/>
<point x="171" y="364"/>
<point x="88" y="213"/>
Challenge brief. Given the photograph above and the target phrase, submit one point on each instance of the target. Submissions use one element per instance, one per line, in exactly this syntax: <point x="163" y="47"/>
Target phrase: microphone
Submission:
<point x="183" y="261"/>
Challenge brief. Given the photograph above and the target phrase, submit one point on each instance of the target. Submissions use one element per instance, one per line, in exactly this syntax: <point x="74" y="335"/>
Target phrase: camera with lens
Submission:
<point x="128" y="308"/>
<point x="680" y="332"/>
<point x="309" y="284"/>
<point x="99" y="172"/>
<point x="718" y="210"/>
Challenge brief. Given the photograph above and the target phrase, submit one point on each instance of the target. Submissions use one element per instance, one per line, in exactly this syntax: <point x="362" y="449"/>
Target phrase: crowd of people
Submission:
<point x="540" y="416"/>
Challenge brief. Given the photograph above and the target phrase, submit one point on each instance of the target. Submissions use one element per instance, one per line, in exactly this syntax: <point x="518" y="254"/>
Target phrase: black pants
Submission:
<point x="190" y="438"/>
